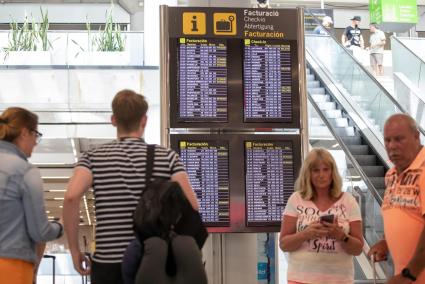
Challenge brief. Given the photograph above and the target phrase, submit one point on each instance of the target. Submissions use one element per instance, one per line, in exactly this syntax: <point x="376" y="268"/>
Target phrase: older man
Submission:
<point x="376" y="49"/>
<point x="403" y="208"/>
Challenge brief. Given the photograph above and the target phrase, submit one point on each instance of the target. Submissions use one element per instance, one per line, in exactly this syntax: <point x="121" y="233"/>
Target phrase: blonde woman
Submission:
<point x="321" y="226"/>
<point x="23" y="221"/>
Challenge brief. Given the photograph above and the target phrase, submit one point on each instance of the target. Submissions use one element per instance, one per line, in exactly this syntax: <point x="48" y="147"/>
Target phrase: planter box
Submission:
<point x="27" y="58"/>
<point x="109" y="58"/>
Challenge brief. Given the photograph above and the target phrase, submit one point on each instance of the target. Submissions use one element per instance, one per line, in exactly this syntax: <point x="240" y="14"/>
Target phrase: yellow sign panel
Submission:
<point x="224" y="23"/>
<point x="194" y="23"/>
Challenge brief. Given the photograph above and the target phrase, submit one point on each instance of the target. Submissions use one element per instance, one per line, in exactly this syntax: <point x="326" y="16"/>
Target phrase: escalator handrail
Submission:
<point x="377" y="83"/>
<point x="397" y="39"/>
<point x="347" y="152"/>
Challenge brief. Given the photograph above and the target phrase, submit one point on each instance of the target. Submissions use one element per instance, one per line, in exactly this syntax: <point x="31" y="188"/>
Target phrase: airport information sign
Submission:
<point x="233" y="93"/>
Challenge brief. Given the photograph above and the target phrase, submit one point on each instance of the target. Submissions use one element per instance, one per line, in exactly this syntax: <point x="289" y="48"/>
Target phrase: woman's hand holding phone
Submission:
<point x="334" y="230"/>
<point x="316" y="230"/>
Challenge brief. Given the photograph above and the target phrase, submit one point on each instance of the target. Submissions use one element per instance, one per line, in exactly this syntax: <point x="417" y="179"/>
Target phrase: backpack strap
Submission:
<point x="150" y="157"/>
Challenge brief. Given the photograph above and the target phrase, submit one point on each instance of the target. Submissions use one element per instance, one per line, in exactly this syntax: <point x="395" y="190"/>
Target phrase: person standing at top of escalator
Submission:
<point x="352" y="36"/>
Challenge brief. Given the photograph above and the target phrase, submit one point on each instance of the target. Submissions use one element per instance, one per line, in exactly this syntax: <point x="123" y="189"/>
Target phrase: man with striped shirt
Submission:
<point x="116" y="171"/>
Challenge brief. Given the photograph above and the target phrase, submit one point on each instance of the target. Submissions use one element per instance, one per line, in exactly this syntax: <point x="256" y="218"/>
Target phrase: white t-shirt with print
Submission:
<point x="321" y="260"/>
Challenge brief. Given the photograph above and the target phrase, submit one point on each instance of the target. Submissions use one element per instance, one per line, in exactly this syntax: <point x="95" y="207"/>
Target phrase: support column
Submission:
<point x="151" y="29"/>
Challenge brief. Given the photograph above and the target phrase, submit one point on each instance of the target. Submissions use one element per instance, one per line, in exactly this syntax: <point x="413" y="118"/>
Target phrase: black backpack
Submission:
<point x="163" y="210"/>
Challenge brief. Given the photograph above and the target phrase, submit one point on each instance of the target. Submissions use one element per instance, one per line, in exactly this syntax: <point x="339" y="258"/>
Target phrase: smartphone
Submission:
<point x="327" y="218"/>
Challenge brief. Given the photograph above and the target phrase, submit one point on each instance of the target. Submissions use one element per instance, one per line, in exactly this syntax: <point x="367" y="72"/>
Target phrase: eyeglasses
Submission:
<point x="38" y="136"/>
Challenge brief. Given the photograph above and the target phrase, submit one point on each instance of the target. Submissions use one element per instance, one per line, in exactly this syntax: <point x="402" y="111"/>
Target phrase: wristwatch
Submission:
<point x="406" y="274"/>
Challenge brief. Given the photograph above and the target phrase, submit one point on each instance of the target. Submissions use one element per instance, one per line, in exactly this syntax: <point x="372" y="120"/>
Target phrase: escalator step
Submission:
<point x="313" y="84"/>
<point x="339" y="122"/>
<point x="378" y="182"/>
<point x="374" y="171"/>
<point x="333" y="113"/>
<point x="366" y="160"/>
<point x="352" y="140"/>
<point x="317" y="91"/>
<point x="310" y="77"/>
<point x="345" y="131"/>
<point x="359" y="149"/>
<point x="326" y="105"/>
<point x="321" y="98"/>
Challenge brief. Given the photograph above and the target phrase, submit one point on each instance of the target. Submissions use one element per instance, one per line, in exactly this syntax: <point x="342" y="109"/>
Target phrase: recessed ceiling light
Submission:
<point x="141" y="4"/>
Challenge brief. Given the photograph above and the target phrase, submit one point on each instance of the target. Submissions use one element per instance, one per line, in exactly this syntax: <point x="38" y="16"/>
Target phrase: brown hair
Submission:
<point x="129" y="108"/>
<point x="13" y="120"/>
<point x="303" y="183"/>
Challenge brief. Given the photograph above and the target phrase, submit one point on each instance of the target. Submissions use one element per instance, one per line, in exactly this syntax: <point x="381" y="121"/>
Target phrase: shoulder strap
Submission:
<point x="150" y="157"/>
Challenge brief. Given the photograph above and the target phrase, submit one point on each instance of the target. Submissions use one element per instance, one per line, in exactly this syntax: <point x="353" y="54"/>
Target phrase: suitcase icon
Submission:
<point x="224" y="25"/>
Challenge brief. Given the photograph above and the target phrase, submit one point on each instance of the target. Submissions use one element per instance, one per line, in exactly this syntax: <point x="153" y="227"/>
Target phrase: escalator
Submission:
<point x="369" y="161"/>
<point x="354" y="107"/>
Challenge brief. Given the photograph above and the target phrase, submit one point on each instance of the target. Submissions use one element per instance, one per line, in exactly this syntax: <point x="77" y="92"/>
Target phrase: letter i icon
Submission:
<point x="194" y="24"/>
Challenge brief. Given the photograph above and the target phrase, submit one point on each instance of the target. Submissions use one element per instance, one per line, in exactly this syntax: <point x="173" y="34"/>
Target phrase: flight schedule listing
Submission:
<point x="267" y="81"/>
<point x="269" y="180"/>
<point x="202" y="80"/>
<point x="207" y="164"/>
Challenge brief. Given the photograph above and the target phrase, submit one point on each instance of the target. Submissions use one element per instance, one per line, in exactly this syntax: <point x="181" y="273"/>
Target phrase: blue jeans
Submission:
<point x="131" y="261"/>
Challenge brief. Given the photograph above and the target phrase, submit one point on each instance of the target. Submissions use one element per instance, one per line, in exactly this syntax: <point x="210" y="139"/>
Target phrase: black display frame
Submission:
<point x="265" y="223"/>
<point x="222" y="143"/>
<point x="238" y="209"/>
<point x="235" y="89"/>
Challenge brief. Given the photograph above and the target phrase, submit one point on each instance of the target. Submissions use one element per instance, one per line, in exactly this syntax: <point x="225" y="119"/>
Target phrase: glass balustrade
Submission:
<point x="410" y="98"/>
<point x="370" y="100"/>
<point x="408" y="59"/>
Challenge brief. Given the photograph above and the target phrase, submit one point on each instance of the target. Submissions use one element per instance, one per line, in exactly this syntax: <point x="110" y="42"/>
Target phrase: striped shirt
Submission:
<point x="119" y="170"/>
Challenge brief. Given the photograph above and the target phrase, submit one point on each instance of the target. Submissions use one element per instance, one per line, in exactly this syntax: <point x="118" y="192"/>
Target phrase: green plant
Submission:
<point x="21" y="38"/>
<point x="28" y="36"/>
<point x="42" y="29"/>
<point x="108" y="39"/>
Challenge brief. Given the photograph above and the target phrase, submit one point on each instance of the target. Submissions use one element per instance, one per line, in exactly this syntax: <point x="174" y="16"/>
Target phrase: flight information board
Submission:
<point x="267" y="81"/>
<point x="207" y="164"/>
<point x="202" y="80"/>
<point x="269" y="180"/>
<point x="231" y="95"/>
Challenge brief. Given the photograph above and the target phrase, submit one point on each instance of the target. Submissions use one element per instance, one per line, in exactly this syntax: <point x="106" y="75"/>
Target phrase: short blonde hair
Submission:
<point x="303" y="183"/>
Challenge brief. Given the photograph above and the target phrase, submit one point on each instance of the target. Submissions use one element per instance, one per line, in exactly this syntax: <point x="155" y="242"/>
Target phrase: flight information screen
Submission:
<point x="202" y="80"/>
<point x="267" y="81"/>
<point x="207" y="164"/>
<point x="269" y="180"/>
